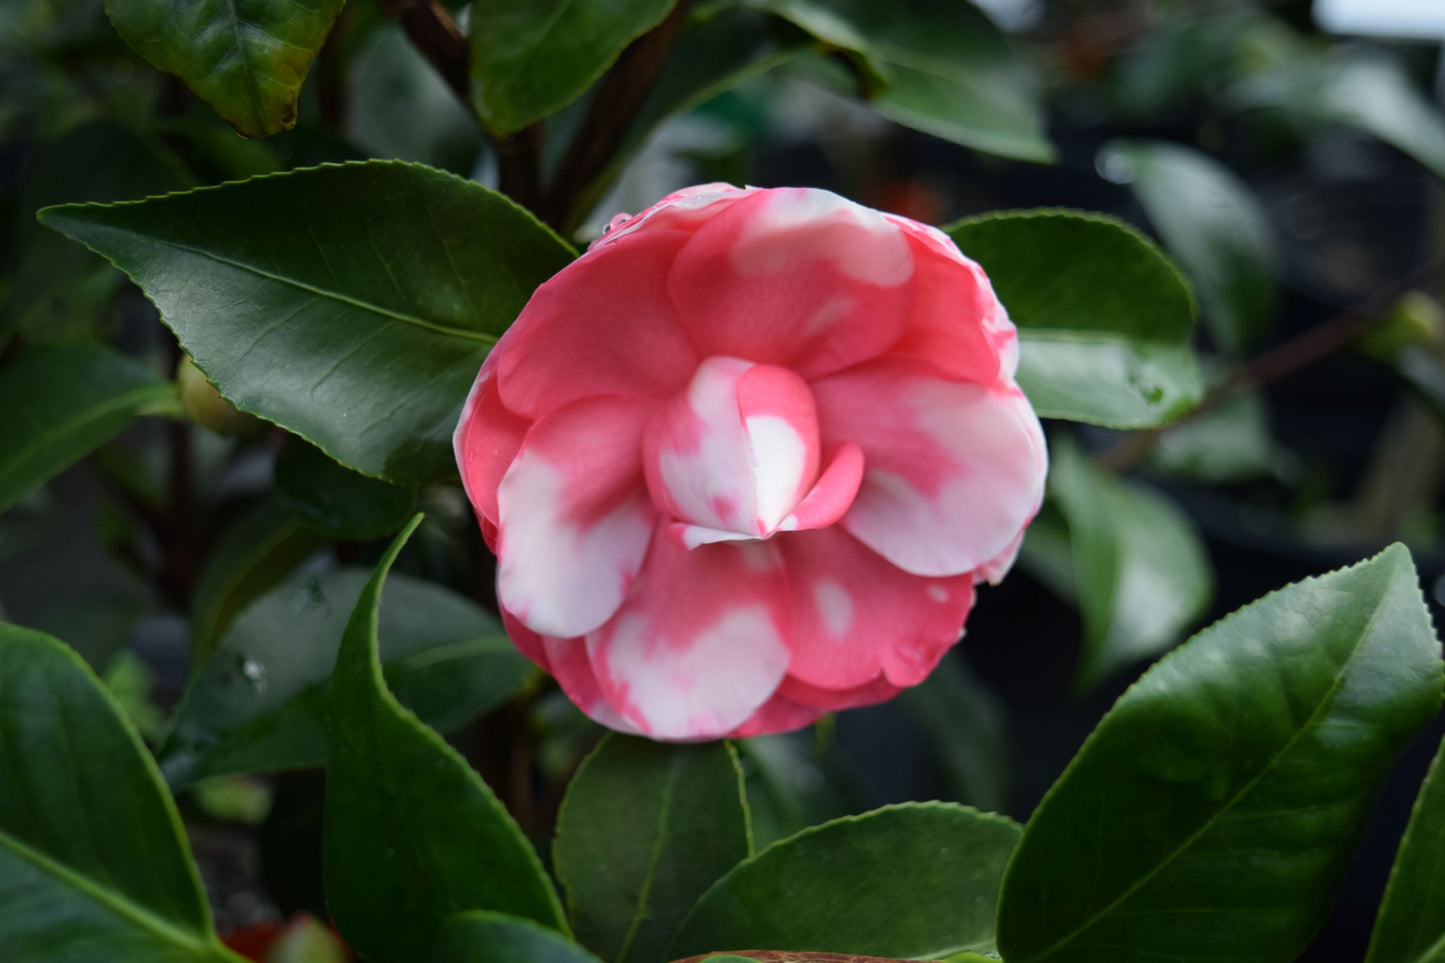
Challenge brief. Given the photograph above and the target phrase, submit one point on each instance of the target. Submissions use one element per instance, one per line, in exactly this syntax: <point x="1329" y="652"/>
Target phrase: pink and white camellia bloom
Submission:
<point x="744" y="461"/>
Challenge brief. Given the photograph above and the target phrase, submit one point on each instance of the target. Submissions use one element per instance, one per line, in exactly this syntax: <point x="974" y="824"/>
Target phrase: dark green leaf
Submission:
<point x="260" y="702"/>
<point x="359" y="326"/>
<point x="482" y="937"/>
<point x="246" y="58"/>
<point x="258" y="550"/>
<point x="1210" y="814"/>
<point x="91" y="849"/>
<point x="644" y="830"/>
<point x="531" y="58"/>
<point x="1104" y="318"/>
<point x="1140" y="573"/>
<point x="1229" y="443"/>
<point x="335" y="500"/>
<point x="412" y="834"/>
<point x="1365" y="91"/>
<point x="1211" y="222"/>
<point x="63" y="401"/>
<point x="1411" y="924"/>
<point x="964" y="725"/>
<point x="947" y="70"/>
<point x="920" y="879"/>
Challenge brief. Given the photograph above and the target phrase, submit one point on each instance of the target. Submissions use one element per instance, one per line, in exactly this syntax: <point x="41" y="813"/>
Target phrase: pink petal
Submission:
<point x="529" y="643"/>
<point x="572" y="669"/>
<point x="778" y="714"/>
<point x="486" y="440"/>
<point x="833" y="493"/>
<point x="680" y="210"/>
<point x="699" y="645"/>
<point x="858" y="617"/>
<point x="794" y="277"/>
<point x="574" y="517"/>
<point x="954" y="470"/>
<point x="836" y="700"/>
<point x="604" y="325"/>
<point x="736" y="451"/>
<point x="957" y="323"/>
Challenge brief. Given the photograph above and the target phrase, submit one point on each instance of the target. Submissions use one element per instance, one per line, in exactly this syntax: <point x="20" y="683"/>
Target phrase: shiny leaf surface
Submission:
<point x="1411" y="924"/>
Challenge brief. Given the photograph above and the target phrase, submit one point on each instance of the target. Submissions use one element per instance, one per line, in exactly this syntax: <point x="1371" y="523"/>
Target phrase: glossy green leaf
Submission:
<point x="966" y="733"/>
<point x="255" y="552"/>
<point x="359" y="327"/>
<point x="482" y="937"/>
<point x="61" y="402"/>
<point x="644" y="830"/>
<point x="919" y="879"/>
<point x="1212" y="223"/>
<point x="412" y="834"/>
<point x="1211" y="813"/>
<point x="1141" y="577"/>
<point x="946" y="70"/>
<point x="1366" y="91"/>
<point x="246" y="58"/>
<point x="260" y="702"/>
<point x="1411" y="924"/>
<point x="530" y="58"/>
<point x="1104" y="318"/>
<point x="335" y="500"/>
<point x="91" y="848"/>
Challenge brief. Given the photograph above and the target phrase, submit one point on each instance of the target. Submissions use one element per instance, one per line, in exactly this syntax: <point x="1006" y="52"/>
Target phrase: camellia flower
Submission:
<point x="743" y="462"/>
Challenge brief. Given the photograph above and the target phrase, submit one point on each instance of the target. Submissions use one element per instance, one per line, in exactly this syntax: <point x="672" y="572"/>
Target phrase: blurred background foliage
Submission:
<point x="203" y="561"/>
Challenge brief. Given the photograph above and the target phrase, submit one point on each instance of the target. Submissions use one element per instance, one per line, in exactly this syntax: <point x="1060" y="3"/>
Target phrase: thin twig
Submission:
<point x="432" y="31"/>
<point x="1299" y="352"/>
<point x="614" y="106"/>
<point x="519" y="165"/>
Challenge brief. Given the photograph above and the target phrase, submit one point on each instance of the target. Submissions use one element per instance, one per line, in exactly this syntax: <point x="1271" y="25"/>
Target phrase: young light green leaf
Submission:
<point x="260" y="702"/>
<point x="333" y="499"/>
<point x="91" y="848"/>
<point x="63" y="401"/>
<point x="247" y="60"/>
<point x="1366" y="91"/>
<point x="482" y="937"/>
<point x="1104" y="318"/>
<point x="644" y="830"/>
<point x="945" y="69"/>
<point x="915" y="880"/>
<point x="412" y="834"/>
<point x="1212" y="223"/>
<point x="1141" y="577"/>
<point x="531" y="58"/>
<point x="1220" y="799"/>
<point x="1411" y="925"/>
<point x="359" y="326"/>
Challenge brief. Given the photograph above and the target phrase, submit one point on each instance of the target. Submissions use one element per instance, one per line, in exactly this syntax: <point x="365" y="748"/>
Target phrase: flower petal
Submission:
<point x="604" y="325"/>
<point x="487" y="438"/>
<point x="833" y="493"/>
<point x="574" y="517"/>
<point x="700" y="643"/>
<point x="957" y="323"/>
<point x="857" y="617"/>
<point x="794" y="277"/>
<point x="571" y="667"/>
<point x="954" y="471"/>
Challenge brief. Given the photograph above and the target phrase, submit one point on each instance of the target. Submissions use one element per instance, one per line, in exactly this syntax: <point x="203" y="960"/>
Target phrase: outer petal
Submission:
<point x="794" y="277"/>
<point x="572" y="669"/>
<point x="574" y="517"/>
<point x="700" y="643"/>
<point x="836" y="700"/>
<point x="681" y="210"/>
<point x="778" y="714"/>
<point x="957" y="324"/>
<point x="604" y="325"/>
<point x="954" y="470"/>
<point x="487" y="438"/>
<point x="858" y="617"/>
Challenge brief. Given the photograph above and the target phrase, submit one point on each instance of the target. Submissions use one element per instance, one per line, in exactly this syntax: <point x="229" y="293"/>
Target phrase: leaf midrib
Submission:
<point x="644" y="893"/>
<point x="1309" y="726"/>
<point x="117" y="904"/>
<point x="327" y="293"/>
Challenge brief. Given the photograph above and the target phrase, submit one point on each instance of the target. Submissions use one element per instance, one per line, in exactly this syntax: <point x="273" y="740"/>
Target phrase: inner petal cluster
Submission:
<point x="736" y="455"/>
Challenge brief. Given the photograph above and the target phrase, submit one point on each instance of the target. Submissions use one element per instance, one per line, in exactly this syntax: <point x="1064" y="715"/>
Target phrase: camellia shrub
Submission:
<point x="737" y="462"/>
